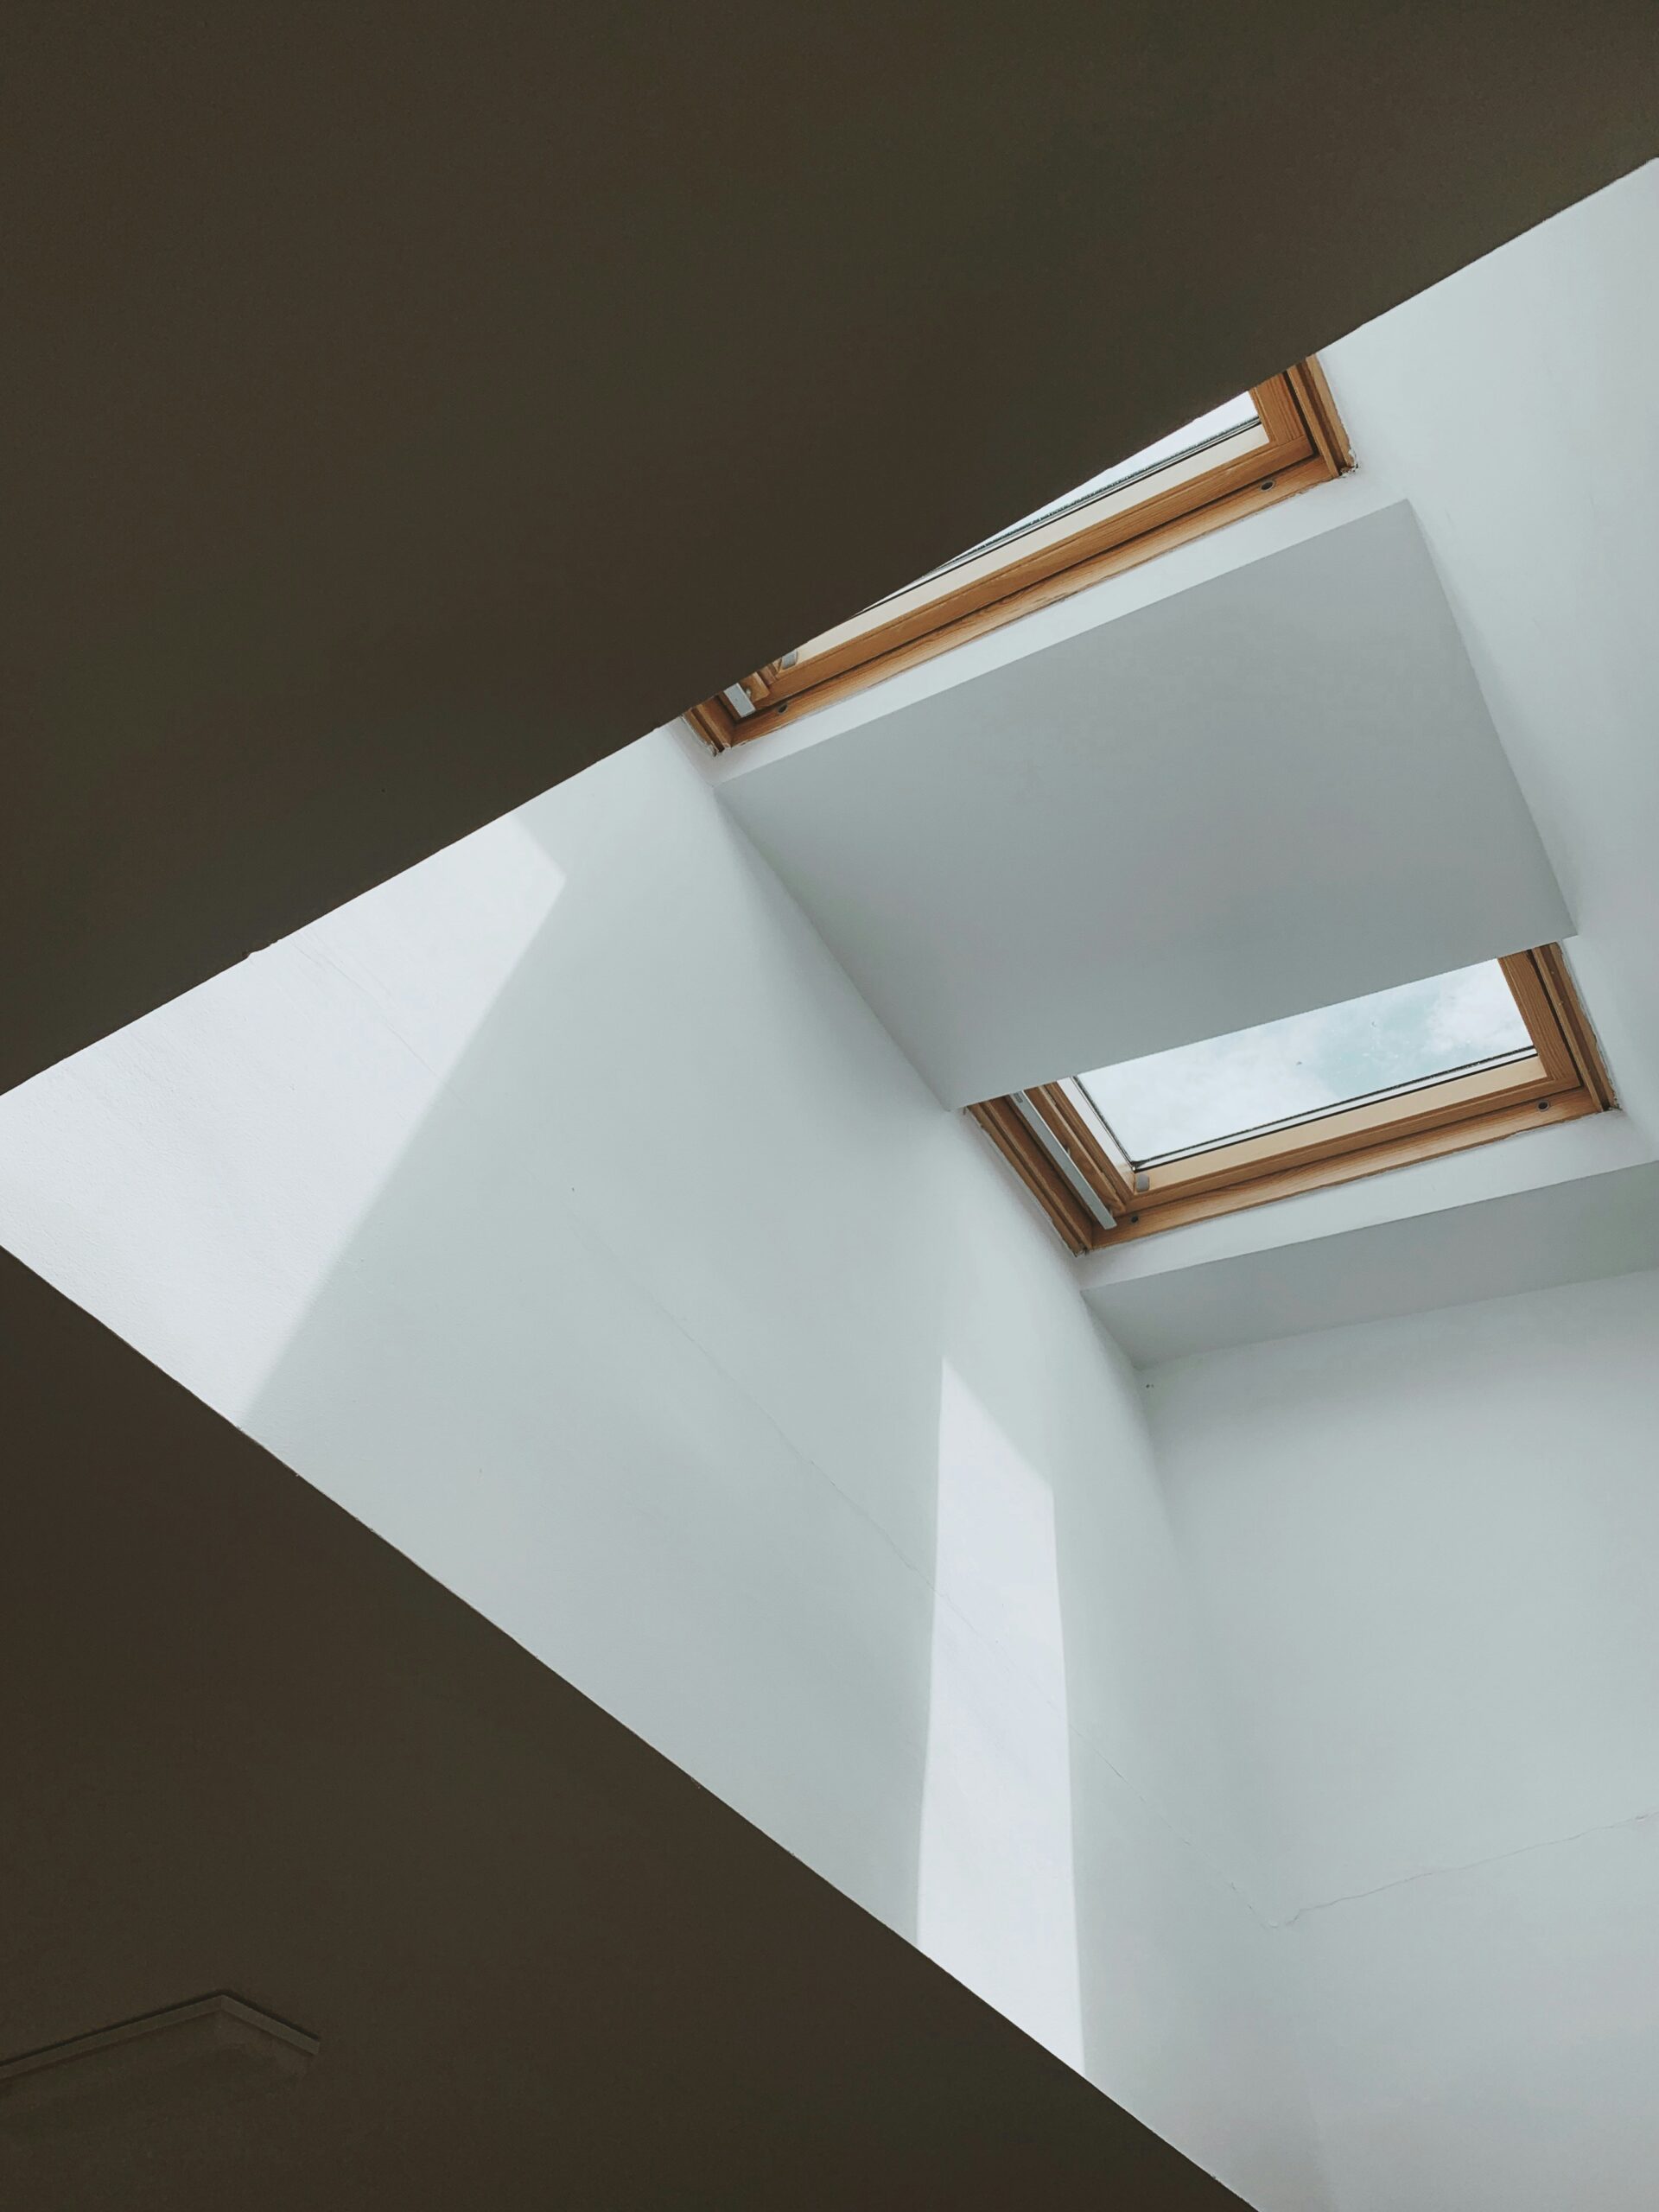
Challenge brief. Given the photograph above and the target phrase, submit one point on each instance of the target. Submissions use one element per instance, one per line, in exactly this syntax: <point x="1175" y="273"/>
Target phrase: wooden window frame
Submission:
<point x="1306" y="445"/>
<point x="1064" y="1153"/>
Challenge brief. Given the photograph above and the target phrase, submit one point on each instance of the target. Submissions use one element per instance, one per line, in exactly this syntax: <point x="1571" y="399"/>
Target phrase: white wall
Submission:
<point x="1514" y="406"/>
<point x="1428" y="1549"/>
<point x="1428" y="1544"/>
<point x="561" y="1210"/>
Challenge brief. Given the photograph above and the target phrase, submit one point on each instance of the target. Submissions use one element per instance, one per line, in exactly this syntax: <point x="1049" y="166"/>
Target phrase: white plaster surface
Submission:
<point x="1205" y="812"/>
<point x="1513" y="405"/>
<point x="1428" y="1549"/>
<point x="1428" y="1544"/>
<point x="1573" y="1230"/>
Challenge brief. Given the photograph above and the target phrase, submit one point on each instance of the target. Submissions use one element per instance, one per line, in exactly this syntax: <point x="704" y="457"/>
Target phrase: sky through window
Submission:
<point x="1226" y="1087"/>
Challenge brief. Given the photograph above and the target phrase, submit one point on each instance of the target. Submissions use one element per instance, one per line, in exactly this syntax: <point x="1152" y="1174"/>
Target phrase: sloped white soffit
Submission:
<point x="1275" y="790"/>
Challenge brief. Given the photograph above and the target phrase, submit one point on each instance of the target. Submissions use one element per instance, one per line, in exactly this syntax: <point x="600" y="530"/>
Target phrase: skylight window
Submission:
<point x="1375" y="1083"/>
<point x="1276" y="439"/>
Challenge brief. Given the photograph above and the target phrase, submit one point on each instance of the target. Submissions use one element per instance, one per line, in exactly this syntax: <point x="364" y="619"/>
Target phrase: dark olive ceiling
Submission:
<point x="406" y="404"/>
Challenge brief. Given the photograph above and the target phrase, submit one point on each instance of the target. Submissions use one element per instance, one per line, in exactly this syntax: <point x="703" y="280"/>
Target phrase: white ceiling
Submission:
<point x="1570" y="1231"/>
<point x="1258" y="795"/>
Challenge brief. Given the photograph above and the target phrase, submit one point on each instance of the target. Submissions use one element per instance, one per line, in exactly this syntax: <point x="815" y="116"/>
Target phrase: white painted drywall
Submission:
<point x="1597" y="1145"/>
<point x="561" y="1210"/>
<point x="1258" y="795"/>
<point x="1573" y="1230"/>
<point x="1514" y="406"/>
<point x="1428" y="1549"/>
<point x="1429" y="1545"/>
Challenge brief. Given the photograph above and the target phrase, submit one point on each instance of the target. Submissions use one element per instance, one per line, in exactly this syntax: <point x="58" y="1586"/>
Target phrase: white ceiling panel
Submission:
<point x="1275" y="790"/>
<point x="1574" y="1231"/>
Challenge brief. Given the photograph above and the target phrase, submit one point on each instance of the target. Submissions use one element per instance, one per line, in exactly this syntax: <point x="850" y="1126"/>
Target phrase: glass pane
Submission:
<point x="1310" y="1064"/>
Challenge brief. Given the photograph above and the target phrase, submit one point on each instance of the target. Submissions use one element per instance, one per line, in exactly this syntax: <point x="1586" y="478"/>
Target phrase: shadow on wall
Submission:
<point x="626" y="1348"/>
<point x="195" y="1178"/>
